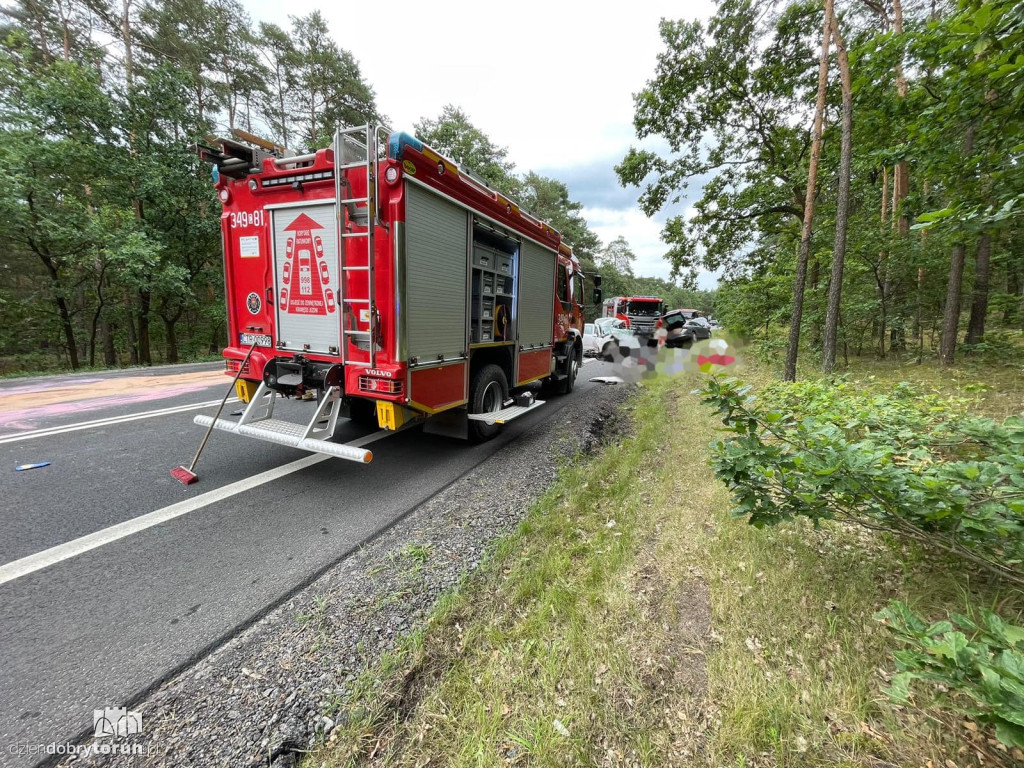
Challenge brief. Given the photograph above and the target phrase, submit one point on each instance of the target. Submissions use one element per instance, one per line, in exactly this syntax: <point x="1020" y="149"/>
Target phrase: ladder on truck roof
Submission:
<point x="358" y="148"/>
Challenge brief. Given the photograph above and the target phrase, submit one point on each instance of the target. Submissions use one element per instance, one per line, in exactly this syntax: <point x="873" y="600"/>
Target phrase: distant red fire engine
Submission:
<point x="640" y="313"/>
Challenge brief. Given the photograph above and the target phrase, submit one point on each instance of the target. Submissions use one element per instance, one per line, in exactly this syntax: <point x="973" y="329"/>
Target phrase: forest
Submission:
<point x="853" y="171"/>
<point x="110" y="222"/>
<point x="110" y="225"/>
<point x="859" y="167"/>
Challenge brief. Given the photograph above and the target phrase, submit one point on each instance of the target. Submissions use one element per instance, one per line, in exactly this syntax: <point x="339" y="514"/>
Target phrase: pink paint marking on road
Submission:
<point x="44" y="386"/>
<point x="29" y="417"/>
<point x="22" y="419"/>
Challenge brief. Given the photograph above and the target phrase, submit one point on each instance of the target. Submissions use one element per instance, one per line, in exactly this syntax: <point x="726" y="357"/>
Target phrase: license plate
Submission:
<point x="261" y="339"/>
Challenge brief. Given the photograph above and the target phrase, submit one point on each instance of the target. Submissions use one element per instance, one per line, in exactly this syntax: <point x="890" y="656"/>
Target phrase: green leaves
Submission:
<point x="454" y="135"/>
<point x="974" y="664"/>
<point x="723" y="97"/>
<point x="913" y="465"/>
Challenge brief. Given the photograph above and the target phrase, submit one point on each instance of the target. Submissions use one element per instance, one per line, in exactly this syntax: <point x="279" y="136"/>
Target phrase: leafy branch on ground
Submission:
<point x="908" y="464"/>
<point x="980" y="660"/>
<point x="913" y="466"/>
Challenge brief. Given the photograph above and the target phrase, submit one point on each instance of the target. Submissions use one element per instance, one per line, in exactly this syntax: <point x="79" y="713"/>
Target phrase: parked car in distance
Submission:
<point x="700" y="327"/>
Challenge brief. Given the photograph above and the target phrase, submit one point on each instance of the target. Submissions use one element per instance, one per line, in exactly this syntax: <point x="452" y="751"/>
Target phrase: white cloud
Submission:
<point x="644" y="238"/>
<point x="553" y="82"/>
<point x="642" y="234"/>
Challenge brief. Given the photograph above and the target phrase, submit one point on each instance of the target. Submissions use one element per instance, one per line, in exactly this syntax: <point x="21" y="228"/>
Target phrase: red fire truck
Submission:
<point x="395" y="285"/>
<point x="640" y="313"/>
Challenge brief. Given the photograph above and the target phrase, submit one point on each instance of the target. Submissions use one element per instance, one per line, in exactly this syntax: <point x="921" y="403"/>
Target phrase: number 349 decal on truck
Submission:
<point x="243" y="219"/>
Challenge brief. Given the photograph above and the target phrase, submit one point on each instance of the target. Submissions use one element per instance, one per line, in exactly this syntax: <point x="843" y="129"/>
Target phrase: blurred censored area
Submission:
<point x="650" y="356"/>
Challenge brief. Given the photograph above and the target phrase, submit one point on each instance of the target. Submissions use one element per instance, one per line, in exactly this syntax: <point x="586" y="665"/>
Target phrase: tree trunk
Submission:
<point x="215" y="339"/>
<point x="951" y="313"/>
<point x="133" y="338"/>
<point x="69" y="333"/>
<point x="883" y="261"/>
<point x="796" y="318"/>
<point x="926" y="189"/>
<point x="172" y="340"/>
<point x="67" y="327"/>
<point x="107" y="334"/>
<point x="901" y="175"/>
<point x="145" y="357"/>
<point x="93" y="331"/>
<point x="835" y="288"/>
<point x="918" y="325"/>
<point x="979" y="305"/>
<point x="126" y="39"/>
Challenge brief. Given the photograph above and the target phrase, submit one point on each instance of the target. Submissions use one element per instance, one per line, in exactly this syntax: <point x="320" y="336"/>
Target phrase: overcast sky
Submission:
<point x="553" y="82"/>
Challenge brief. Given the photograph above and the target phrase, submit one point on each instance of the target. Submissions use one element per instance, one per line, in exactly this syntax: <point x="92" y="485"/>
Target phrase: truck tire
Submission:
<point x="572" y="363"/>
<point x="487" y="392"/>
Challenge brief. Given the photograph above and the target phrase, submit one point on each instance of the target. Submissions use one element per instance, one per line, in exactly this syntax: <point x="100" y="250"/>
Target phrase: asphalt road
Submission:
<point x="99" y="623"/>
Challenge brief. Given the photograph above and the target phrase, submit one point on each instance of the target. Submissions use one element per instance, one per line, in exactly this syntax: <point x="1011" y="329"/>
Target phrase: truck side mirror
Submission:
<point x="597" y="281"/>
<point x="598" y="295"/>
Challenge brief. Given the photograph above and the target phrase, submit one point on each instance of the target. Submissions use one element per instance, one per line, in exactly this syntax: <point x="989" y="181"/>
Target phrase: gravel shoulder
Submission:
<point x="265" y="696"/>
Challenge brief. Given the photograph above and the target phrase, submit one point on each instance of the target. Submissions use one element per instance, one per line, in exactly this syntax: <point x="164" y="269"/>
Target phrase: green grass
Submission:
<point x="630" y="620"/>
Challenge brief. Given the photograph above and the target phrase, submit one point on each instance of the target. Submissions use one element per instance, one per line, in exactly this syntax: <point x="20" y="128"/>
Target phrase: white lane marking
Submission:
<point x="26" y="565"/>
<point x="48" y="431"/>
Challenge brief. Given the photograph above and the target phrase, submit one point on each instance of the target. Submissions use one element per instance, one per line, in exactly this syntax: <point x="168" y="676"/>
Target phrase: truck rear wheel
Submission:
<point x="487" y="394"/>
<point x="572" y="366"/>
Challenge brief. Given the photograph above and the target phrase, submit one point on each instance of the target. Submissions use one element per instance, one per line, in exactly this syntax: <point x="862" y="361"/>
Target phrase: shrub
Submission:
<point x="915" y="466"/>
<point x="976" y="665"/>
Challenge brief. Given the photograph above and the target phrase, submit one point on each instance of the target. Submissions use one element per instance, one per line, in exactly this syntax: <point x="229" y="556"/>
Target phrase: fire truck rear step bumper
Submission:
<point x="284" y="433"/>
<point x="505" y="415"/>
<point x="305" y="437"/>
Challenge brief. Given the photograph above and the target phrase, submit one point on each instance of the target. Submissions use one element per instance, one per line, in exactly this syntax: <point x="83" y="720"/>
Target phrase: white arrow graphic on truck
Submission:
<point x="306" y="271"/>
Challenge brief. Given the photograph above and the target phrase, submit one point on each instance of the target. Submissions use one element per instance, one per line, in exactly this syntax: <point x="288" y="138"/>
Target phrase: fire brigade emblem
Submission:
<point x="307" y="277"/>
<point x="253" y="303"/>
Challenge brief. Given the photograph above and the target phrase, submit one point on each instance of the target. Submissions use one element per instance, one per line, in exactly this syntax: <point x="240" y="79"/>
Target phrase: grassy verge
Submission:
<point x="631" y="621"/>
<point x="996" y="388"/>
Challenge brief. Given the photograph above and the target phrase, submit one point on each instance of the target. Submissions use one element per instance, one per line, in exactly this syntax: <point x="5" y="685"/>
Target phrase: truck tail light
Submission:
<point x="231" y="366"/>
<point x="383" y="386"/>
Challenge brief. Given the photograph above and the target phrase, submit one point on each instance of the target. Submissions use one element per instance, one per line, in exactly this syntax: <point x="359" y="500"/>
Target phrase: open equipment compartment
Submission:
<point x="494" y="268"/>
